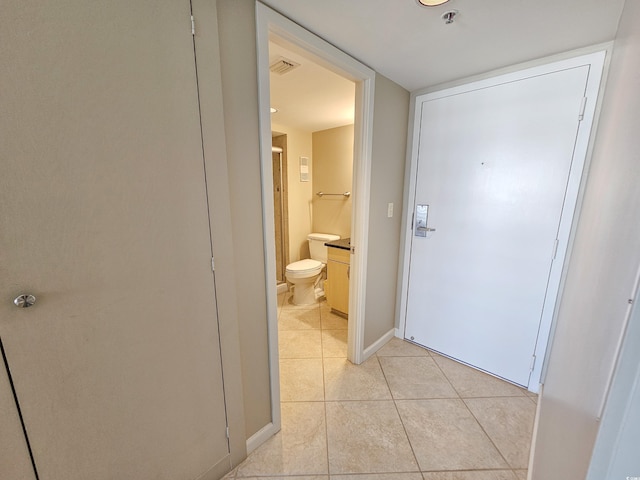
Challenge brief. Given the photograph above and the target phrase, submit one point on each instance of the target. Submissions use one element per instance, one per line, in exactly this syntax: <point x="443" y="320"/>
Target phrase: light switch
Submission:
<point x="389" y="210"/>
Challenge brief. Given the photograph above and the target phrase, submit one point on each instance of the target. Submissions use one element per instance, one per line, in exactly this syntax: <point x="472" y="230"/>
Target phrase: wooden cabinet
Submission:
<point x="337" y="287"/>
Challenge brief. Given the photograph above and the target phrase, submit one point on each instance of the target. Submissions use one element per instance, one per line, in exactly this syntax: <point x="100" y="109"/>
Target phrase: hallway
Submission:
<point x="406" y="412"/>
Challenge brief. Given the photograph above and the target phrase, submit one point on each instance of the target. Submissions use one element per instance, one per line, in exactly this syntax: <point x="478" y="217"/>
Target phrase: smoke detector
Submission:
<point x="283" y="65"/>
<point x="449" y="16"/>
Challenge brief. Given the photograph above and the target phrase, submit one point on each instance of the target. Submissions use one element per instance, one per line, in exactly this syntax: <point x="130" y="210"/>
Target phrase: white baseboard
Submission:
<point x="377" y="345"/>
<point x="218" y="470"/>
<point x="261" y="436"/>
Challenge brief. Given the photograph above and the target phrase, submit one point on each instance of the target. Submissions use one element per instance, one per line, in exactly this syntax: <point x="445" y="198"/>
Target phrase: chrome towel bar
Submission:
<point x="345" y="194"/>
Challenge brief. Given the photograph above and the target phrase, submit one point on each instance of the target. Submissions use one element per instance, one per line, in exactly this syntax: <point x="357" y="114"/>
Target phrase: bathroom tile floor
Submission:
<point x="404" y="414"/>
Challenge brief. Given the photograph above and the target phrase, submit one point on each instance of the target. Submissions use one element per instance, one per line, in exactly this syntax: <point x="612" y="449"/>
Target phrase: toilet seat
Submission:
<point x="304" y="268"/>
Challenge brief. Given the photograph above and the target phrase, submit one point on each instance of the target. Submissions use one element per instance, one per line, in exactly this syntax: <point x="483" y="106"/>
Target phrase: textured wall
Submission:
<point x="601" y="273"/>
<point x="391" y="111"/>
<point x="300" y="193"/>
<point x="238" y="59"/>
<point x="332" y="173"/>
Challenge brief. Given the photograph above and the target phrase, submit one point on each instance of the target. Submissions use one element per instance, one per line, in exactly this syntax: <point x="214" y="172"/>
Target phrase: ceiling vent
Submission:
<point x="283" y="65"/>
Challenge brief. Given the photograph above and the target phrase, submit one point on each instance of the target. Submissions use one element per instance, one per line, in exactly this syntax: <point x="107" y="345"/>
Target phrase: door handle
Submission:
<point x="24" y="300"/>
<point x="422" y="216"/>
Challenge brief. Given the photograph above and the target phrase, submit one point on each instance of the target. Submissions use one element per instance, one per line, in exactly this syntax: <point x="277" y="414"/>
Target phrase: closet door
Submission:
<point x="103" y="218"/>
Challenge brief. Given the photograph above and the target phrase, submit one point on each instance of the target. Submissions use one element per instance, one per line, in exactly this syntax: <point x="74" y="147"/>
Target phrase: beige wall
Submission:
<point x="387" y="184"/>
<point x="236" y="22"/>
<point x="601" y="273"/>
<point x="300" y="193"/>
<point x="332" y="173"/>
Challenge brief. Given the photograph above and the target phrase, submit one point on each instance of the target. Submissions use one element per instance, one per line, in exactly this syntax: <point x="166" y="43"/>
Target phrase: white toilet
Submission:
<point x="305" y="275"/>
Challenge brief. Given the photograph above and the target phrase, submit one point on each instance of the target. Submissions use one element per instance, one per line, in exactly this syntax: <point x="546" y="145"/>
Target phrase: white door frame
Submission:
<point x="596" y="60"/>
<point x="270" y="24"/>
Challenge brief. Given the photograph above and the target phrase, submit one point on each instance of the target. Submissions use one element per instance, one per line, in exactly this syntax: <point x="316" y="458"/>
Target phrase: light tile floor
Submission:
<point x="404" y="414"/>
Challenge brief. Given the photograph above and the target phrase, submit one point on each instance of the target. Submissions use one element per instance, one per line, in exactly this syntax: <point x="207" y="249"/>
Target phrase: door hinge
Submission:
<point x="556" y="242"/>
<point x="533" y="363"/>
<point x="583" y="105"/>
<point x="353" y="249"/>
<point x="213" y="264"/>
<point x="228" y="432"/>
<point x="193" y="26"/>
<point x="413" y="216"/>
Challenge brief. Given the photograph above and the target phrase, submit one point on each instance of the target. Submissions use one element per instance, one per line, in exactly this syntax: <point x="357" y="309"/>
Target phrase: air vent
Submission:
<point x="283" y="65"/>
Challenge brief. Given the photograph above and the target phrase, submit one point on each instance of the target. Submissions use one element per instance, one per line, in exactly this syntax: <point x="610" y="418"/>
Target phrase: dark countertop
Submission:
<point x="343" y="243"/>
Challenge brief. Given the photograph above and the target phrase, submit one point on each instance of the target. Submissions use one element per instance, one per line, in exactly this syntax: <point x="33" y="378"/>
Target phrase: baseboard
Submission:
<point x="261" y="436"/>
<point x="534" y="437"/>
<point x="398" y="333"/>
<point x="377" y="345"/>
<point x="282" y="288"/>
<point x="218" y="470"/>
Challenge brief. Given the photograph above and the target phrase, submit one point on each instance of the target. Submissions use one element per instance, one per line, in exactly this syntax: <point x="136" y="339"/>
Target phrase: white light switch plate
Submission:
<point x="389" y="210"/>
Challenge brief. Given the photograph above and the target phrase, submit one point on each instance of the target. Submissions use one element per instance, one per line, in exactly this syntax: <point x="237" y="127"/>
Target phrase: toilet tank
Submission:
<point x="316" y="245"/>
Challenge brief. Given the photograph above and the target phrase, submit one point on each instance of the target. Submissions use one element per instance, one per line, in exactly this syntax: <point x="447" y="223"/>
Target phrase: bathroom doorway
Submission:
<point x="312" y="121"/>
<point x="280" y="206"/>
<point x="273" y="27"/>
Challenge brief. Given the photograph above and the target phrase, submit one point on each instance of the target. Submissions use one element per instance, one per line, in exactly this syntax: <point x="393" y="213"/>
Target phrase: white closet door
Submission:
<point x="493" y="167"/>
<point x="104" y="219"/>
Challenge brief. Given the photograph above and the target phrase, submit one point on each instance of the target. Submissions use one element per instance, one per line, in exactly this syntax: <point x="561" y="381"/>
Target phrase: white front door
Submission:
<point x="103" y="212"/>
<point x="493" y="168"/>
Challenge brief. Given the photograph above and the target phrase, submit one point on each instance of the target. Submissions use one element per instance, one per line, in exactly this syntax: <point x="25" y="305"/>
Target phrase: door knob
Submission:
<point x="24" y="301"/>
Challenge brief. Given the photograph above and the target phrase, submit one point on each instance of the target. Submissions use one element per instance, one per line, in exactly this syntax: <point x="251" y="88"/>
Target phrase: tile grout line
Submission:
<point x="486" y="433"/>
<point x="395" y="405"/>
<point x="324" y="393"/>
<point x="447" y="378"/>
<point x="402" y="421"/>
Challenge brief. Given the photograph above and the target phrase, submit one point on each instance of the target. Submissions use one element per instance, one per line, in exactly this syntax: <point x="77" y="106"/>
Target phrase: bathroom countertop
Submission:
<point x="343" y="243"/>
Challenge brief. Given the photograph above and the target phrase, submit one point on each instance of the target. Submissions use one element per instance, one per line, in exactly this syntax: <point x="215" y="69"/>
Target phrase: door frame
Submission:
<point x="596" y="60"/>
<point x="270" y="24"/>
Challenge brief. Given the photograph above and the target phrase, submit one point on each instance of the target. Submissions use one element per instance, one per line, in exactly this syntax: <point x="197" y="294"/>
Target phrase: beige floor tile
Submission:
<point x="346" y="381"/>
<point x="304" y="318"/>
<point x="300" y="448"/>
<point x="334" y="343"/>
<point x="415" y="377"/>
<point x="509" y="423"/>
<point x="367" y="437"/>
<point x="445" y="436"/>
<point x="397" y="347"/>
<point x="470" y="382"/>
<point x="300" y="344"/>
<point x="471" y="475"/>
<point x="331" y="321"/>
<point x="281" y="298"/>
<point x="301" y="380"/>
<point x="379" y="476"/>
<point x="521" y="474"/>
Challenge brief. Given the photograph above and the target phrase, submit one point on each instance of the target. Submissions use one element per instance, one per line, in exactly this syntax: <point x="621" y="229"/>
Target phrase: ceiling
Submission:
<point x="412" y="45"/>
<point x="309" y="97"/>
